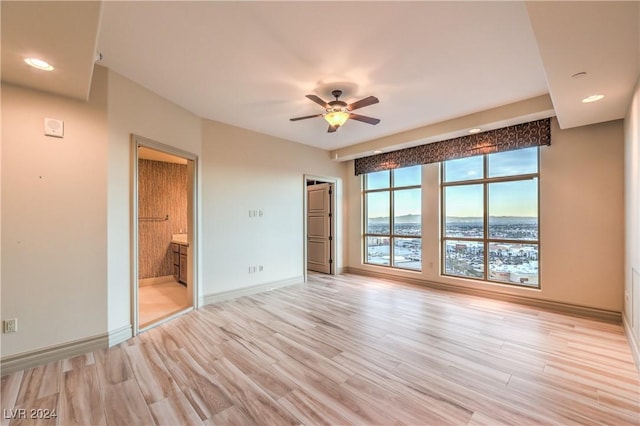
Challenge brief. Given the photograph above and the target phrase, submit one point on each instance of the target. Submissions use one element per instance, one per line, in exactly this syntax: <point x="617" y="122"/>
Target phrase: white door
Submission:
<point x="319" y="228"/>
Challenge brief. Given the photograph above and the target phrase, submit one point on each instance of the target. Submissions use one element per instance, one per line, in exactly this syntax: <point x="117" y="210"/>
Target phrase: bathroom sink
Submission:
<point x="179" y="238"/>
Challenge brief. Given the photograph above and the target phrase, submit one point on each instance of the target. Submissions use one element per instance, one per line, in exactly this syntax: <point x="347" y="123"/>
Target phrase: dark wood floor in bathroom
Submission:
<point x="345" y="350"/>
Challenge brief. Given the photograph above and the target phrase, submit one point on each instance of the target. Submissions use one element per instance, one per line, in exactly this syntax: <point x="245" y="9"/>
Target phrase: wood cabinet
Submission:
<point x="180" y="263"/>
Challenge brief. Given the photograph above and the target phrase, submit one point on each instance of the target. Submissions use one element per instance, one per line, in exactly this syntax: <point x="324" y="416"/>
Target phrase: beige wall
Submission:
<point x="54" y="217"/>
<point x="632" y="221"/>
<point x="581" y="224"/>
<point x="242" y="171"/>
<point x="582" y="216"/>
<point x="133" y="109"/>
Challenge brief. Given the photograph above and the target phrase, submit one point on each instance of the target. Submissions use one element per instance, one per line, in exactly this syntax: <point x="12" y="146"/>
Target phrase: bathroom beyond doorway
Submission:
<point x="164" y="251"/>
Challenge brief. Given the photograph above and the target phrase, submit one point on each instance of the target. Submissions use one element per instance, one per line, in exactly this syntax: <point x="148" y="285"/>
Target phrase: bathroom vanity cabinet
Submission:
<point x="179" y="255"/>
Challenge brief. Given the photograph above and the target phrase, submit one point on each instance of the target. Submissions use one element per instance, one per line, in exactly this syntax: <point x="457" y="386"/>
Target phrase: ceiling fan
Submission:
<point x="338" y="112"/>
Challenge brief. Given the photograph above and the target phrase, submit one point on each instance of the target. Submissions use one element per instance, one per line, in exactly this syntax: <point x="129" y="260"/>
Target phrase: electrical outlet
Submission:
<point x="10" y="325"/>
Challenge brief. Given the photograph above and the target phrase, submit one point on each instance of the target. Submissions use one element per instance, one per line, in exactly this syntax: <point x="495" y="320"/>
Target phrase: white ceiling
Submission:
<point x="62" y="33"/>
<point x="250" y="64"/>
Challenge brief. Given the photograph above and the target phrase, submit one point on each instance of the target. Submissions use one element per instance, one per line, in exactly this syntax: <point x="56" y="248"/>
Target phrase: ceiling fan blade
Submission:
<point x="305" y="117"/>
<point x="364" y="118"/>
<point x="369" y="100"/>
<point x="332" y="129"/>
<point x="319" y="101"/>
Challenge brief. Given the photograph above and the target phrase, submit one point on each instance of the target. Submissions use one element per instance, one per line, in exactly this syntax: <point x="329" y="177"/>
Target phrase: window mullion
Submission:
<point x="529" y="176"/>
<point x="485" y="188"/>
<point x="392" y="224"/>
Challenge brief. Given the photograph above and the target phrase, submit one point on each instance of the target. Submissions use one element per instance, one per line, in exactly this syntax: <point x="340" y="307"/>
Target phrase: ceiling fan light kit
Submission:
<point x="336" y="118"/>
<point x="338" y="112"/>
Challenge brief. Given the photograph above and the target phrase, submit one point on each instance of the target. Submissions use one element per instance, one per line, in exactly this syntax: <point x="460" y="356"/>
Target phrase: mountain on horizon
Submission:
<point x="407" y="218"/>
<point x="495" y="220"/>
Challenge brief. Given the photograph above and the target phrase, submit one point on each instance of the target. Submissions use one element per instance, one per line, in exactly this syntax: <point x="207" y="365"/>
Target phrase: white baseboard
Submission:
<point x="633" y="343"/>
<point x="119" y="335"/>
<point x="550" y="305"/>
<point x="53" y="353"/>
<point x="208" y="299"/>
<point x="49" y="354"/>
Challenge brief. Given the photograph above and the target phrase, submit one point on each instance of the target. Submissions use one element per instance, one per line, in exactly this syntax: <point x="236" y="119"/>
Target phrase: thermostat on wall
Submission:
<point x="54" y="127"/>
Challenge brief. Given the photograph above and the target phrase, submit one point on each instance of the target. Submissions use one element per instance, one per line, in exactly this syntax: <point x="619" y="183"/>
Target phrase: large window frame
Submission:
<point x="393" y="238"/>
<point x="484" y="270"/>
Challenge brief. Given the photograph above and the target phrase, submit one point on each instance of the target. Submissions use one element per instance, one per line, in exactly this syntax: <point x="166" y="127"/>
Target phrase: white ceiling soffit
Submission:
<point x="64" y="34"/>
<point x="145" y="153"/>
<point x="601" y="39"/>
<point x="250" y="64"/>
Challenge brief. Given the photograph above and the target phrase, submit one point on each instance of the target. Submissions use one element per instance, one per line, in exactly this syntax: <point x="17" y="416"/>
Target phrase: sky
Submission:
<point x="505" y="199"/>
<point x="407" y="201"/>
<point x="519" y="198"/>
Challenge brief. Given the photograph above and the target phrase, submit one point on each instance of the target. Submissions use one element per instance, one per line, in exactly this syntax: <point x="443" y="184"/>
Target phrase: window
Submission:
<point x="393" y="218"/>
<point x="490" y="217"/>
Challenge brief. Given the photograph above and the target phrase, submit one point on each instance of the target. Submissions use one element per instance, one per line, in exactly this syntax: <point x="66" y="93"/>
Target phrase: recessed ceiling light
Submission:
<point x="475" y="130"/>
<point x="39" y="63"/>
<point x="592" y="98"/>
<point x="377" y="151"/>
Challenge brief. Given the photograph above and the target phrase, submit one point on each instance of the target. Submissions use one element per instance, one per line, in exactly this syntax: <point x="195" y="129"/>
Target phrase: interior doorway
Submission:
<point x="163" y="255"/>
<point x="320" y="225"/>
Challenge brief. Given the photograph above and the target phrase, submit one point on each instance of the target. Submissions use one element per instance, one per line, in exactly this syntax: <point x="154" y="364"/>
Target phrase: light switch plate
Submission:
<point x="54" y="127"/>
<point x="10" y="325"/>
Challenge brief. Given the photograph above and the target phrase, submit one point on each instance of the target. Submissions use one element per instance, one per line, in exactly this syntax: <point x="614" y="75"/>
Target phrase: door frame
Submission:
<point x="192" y="226"/>
<point x="335" y="265"/>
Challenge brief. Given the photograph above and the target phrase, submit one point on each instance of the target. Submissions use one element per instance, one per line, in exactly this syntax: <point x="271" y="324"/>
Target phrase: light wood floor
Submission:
<point x="346" y="350"/>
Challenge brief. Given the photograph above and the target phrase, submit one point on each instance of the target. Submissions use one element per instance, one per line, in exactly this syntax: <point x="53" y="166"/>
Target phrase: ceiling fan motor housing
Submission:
<point x="336" y="105"/>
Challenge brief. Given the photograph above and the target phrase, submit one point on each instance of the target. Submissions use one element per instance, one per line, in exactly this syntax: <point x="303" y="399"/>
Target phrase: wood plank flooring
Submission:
<point x="344" y="350"/>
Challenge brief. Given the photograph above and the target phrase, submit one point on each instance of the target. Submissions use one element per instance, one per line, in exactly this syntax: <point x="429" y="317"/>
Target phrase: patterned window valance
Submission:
<point x="525" y="135"/>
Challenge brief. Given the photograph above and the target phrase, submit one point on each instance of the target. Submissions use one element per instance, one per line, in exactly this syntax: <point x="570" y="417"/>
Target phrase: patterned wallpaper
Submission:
<point x="523" y="135"/>
<point x="162" y="191"/>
